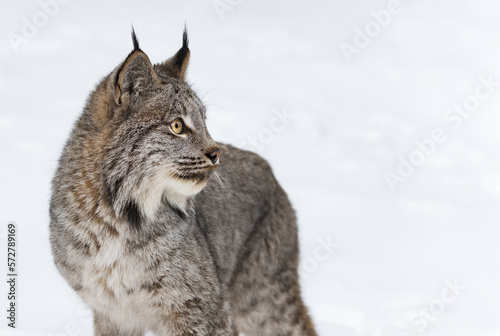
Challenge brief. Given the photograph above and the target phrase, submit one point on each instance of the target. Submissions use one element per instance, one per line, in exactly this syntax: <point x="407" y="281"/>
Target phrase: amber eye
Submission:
<point x="176" y="126"/>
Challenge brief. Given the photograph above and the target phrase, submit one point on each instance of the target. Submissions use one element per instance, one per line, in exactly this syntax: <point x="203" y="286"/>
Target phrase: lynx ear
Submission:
<point x="135" y="74"/>
<point x="176" y="65"/>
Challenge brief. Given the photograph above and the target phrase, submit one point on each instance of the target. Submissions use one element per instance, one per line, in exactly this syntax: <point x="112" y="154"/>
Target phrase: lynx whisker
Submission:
<point x="217" y="177"/>
<point x="222" y="180"/>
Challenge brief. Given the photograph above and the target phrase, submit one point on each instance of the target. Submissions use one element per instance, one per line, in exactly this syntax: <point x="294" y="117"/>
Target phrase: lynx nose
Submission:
<point x="214" y="155"/>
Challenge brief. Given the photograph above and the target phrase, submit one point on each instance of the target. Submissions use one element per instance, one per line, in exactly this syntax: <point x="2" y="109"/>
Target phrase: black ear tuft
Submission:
<point x="176" y="65"/>
<point x="180" y="56"/>
<point x="134" y="40"/>
<point x="185" y="39"/>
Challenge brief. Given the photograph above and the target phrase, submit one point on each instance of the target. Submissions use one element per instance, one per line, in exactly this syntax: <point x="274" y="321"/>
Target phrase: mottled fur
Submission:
<point x="145" y="232"/>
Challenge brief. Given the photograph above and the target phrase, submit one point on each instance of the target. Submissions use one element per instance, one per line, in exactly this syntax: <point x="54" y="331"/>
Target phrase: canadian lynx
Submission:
<point x="160" y="229"/>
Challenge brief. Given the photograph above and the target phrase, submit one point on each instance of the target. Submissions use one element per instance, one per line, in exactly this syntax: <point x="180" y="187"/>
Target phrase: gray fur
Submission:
<point x="150" y="237"/>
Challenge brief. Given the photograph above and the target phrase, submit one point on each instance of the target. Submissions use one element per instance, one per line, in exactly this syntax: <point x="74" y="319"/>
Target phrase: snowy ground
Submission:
<point x="397" y="252"/>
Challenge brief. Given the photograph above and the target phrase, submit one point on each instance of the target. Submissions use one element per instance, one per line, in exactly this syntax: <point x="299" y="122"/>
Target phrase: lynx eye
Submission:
<point x="176" y="126"/>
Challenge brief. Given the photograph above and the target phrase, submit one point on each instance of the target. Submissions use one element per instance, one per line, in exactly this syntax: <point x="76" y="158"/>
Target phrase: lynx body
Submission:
<point x="156" y="232"/>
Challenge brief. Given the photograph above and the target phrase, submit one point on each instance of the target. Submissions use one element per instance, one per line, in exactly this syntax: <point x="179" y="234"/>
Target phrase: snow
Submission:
<point x="395" y="252"/>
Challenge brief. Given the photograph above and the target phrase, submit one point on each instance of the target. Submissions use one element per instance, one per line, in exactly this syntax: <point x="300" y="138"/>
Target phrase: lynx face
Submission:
<point x="158" y="145"/>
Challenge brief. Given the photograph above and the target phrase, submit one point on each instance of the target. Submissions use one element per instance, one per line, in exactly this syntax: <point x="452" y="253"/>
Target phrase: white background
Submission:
<point x="352" y="122"/>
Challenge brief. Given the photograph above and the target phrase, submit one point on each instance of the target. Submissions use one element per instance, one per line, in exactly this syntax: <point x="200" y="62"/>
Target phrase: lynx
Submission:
<point x="160" y="229"/>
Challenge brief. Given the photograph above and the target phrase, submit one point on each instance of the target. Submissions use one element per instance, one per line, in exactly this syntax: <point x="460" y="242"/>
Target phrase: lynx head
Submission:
<point x="156" y="145"/>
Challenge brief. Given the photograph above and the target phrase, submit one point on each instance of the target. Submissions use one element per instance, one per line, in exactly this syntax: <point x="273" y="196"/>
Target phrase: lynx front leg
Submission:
<point x="104" y="327"/>
<point x="186" y="295"/>
<point x="196" y="318"/>
<point x="271" y="306"/>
